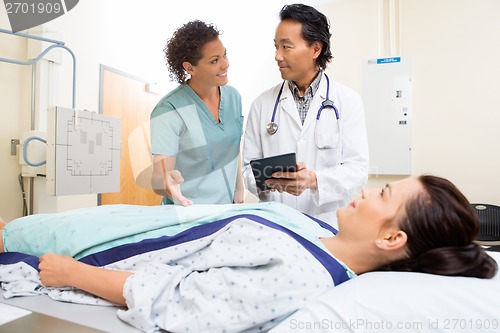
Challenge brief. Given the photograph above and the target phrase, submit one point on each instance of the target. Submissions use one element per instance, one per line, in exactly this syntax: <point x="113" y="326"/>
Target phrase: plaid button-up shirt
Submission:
<point x="304" y="102"/>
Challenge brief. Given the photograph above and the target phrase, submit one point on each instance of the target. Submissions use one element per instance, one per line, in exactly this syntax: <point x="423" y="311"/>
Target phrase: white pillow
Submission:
<point x="403" y="302"/>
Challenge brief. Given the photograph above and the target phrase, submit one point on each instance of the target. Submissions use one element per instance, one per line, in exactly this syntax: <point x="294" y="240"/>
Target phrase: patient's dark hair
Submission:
<point x="442" y="226"/>
<point x="186" y="44"/>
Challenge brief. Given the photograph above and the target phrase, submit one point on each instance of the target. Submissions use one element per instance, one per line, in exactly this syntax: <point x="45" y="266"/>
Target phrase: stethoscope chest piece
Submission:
<point x="272" y="128"/>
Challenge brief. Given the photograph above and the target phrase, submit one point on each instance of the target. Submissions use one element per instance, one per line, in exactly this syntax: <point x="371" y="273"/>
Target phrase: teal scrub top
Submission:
<point x="206" y="151"/>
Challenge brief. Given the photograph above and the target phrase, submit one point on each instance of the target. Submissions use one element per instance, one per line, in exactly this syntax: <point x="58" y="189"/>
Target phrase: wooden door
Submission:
<point x="126" y="97"/>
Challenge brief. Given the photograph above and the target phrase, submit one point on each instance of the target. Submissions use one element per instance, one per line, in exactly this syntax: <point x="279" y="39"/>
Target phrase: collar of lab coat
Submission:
<point x="289" y="108"/>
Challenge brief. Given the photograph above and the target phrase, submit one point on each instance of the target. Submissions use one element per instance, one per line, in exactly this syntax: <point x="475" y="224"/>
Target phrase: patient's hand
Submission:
<point x="55" y="270"/>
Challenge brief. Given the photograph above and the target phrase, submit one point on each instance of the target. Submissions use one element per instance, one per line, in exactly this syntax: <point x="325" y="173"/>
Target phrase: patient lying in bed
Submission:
<point x="243" y="267"/>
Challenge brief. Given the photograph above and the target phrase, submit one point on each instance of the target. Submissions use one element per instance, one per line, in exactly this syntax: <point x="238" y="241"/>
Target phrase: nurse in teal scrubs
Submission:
<point x="197" y="127"/>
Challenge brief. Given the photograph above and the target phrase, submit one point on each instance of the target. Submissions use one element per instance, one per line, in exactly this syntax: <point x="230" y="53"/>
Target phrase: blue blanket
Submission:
<point x="81" y="232"/>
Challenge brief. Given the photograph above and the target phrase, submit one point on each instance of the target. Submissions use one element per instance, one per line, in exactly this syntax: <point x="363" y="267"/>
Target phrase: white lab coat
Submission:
<point x="340" y="171"/>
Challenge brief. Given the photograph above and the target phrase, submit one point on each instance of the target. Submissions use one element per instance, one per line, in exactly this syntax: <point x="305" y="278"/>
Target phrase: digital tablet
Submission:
<point x="263" y="168"/>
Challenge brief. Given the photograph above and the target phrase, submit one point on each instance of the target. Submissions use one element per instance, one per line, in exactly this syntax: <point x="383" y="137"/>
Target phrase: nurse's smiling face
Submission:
<point x="212" y="68"/>
<point x="367" y="216"/>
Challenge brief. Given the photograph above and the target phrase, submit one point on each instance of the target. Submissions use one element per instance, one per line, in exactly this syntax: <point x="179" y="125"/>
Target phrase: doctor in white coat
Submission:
<point x="308" y="113"/>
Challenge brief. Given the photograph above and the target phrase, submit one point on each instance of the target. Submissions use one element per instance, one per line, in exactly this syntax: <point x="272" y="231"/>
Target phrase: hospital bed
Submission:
<point x="47" y="315"/>
<point x="368" y="303"/>
<point x="372" y="302"/>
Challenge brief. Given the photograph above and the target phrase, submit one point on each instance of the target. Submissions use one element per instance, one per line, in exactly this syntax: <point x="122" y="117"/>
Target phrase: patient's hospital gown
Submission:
<point x="245" y="276"/>
<point x="240" y="272"/>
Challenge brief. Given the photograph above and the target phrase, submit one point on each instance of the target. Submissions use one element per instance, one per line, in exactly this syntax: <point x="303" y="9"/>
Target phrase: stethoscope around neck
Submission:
<point x="272" y="126"/>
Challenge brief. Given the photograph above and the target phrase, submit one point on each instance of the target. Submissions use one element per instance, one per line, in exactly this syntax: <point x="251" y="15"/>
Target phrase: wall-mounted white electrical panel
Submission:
<point x="387" y="97"/>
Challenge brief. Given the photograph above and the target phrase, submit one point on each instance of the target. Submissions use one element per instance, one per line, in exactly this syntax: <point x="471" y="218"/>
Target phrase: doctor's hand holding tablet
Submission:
<point x="294" y="183"/>
<point x="283" y="174"/>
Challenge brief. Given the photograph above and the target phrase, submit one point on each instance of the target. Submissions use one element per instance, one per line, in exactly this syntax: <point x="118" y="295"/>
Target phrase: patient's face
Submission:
<point x="366" y="216"/>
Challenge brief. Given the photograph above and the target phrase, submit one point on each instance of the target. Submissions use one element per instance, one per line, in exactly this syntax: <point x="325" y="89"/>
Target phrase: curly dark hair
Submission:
<point x="185" y="45"/>
<point x="315" y="28"/>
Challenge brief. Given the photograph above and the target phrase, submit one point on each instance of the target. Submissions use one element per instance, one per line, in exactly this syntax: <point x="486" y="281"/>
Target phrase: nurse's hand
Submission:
<point x="294" y="182"/>
<point x="239" y="195"/>
<point x="174" y="181"/>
